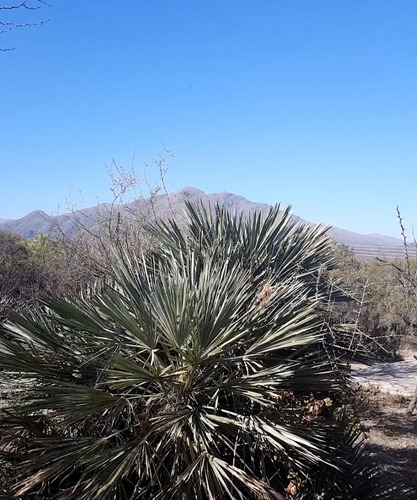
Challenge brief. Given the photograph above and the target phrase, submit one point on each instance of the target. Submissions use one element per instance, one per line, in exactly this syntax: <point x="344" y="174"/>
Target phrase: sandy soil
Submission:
<point x="399" y="378"/>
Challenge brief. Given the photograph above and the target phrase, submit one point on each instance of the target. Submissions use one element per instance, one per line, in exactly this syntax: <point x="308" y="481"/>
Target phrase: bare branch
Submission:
<point x="9" y="25"/>
<point x="24" y="5"/>
<point x="25" y="25"/>
<point x="407" y="258"/>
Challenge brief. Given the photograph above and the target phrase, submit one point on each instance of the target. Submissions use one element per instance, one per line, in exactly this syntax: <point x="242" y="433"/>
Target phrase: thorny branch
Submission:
<point x="407" y="258"/>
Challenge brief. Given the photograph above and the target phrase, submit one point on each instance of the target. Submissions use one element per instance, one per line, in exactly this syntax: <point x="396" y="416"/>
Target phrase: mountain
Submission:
<point x="30" y="225"/>
<point x="165" y="205"/>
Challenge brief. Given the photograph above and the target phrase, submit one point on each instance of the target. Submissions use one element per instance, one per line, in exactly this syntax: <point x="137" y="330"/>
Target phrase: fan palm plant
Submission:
<point x="189" y="374"/>
<point x="275" y="242"/>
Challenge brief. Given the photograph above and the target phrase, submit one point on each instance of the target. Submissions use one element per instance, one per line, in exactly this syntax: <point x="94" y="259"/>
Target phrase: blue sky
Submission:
<point x="310" y="103"/>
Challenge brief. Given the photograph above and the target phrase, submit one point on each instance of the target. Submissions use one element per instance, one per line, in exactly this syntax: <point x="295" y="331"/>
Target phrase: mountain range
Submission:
<point x="165" y="205"/>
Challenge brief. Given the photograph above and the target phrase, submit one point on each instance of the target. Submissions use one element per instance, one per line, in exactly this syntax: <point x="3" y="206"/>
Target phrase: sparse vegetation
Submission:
<point x="32" y="270"/>
<point x="205" y="364"/>
<point x="195" y="370"/>
<point x="382" y="312"/>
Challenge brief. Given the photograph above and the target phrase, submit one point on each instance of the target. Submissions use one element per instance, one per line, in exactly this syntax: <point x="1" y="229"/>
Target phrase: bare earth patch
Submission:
<point x="391" y="432"/>
<point x="392" y="439"/>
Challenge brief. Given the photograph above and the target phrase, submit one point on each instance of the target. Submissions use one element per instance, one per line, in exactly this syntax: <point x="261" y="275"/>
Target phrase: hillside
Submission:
<point x="165" y="205"/>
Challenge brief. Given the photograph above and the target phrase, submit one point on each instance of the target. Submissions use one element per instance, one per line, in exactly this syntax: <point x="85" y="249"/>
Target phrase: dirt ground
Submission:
<point x="392" y="438"/>
<point x="387" y="389"/>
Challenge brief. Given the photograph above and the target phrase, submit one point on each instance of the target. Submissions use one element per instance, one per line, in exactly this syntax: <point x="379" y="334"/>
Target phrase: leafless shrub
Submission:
<point x="119" y="224"/>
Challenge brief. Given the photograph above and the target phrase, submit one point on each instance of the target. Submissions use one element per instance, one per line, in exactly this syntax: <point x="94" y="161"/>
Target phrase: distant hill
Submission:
<point x="164" y="206"/>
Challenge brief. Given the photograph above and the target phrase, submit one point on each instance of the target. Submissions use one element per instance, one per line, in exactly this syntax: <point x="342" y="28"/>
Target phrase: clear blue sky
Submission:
<point x="312" y="103"/>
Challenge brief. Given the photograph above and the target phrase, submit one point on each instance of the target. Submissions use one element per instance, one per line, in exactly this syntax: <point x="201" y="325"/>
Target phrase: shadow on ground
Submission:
<point x="392" y="443"/>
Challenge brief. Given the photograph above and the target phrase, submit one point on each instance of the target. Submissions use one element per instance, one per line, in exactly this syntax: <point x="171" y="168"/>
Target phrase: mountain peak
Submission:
<point x="36" y="213"/>
<point x="165" y="205"/>
<point x="189" y="192"/>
